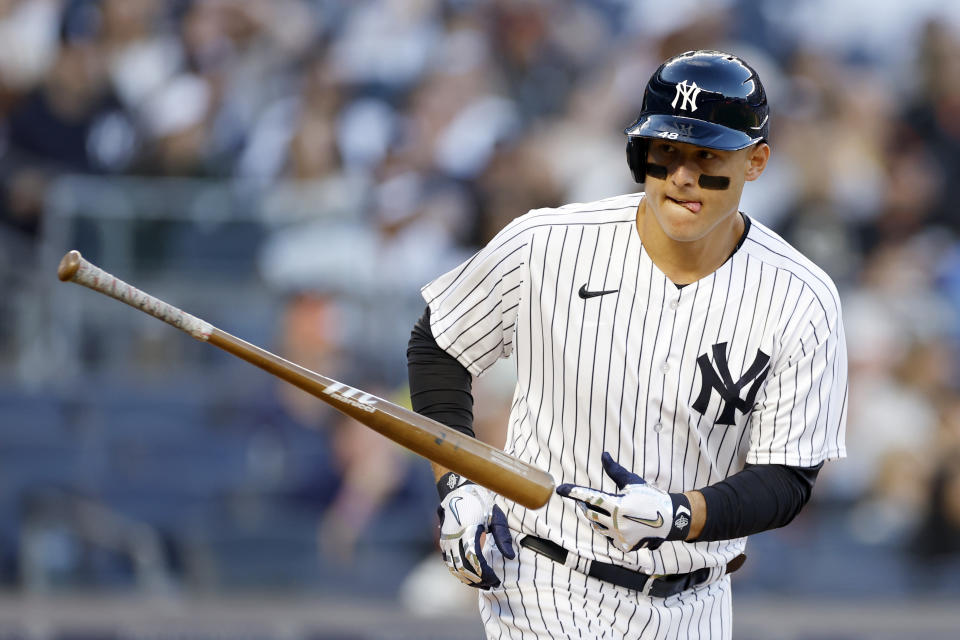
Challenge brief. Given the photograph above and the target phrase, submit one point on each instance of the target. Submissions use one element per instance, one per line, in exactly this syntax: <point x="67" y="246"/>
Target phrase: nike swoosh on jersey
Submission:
<point x="583" y="293"/>
<point x="650" y="522"/>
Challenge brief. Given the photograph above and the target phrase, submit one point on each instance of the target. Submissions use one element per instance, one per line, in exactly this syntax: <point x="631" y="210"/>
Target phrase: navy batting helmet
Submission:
<point x="707" y="98"/>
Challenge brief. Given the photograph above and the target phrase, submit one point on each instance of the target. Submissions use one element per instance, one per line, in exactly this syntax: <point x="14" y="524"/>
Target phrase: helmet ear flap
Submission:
<point x="637" y="158"/>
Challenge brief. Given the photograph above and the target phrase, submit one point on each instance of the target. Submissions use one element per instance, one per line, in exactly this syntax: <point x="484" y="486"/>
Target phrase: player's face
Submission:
<point x="685" y="210"/>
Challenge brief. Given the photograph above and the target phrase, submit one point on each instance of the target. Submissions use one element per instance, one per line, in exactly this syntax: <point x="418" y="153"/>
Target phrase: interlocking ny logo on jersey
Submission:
<point x="719" y="379"/>
<point x="689" y="93"/>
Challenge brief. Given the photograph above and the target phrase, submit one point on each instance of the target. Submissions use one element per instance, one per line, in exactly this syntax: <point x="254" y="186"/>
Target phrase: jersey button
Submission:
<point x="658" y="427"/>
<point x="674" y="304"/>
<point x="665" y="367"/>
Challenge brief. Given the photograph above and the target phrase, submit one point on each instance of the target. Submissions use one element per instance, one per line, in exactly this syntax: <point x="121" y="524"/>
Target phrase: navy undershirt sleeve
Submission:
<point x="759" y="498"/>
<point x="440" y="387"/>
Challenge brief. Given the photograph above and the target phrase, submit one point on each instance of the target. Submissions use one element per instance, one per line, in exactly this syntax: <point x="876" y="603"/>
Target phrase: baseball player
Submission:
<point x="681" y="371"/>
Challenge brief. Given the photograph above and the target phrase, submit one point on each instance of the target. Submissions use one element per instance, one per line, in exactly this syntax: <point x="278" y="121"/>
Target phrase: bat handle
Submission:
<point x="73" y="268"/>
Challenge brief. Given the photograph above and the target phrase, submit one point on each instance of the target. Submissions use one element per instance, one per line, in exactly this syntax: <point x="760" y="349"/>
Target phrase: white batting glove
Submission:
<point x="642" y="516"/>
<point x="467" y="512"/>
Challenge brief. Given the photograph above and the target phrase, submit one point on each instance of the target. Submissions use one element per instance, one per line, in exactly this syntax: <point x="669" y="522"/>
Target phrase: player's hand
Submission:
<point x="466" y="514"/>
<point x="641" y="516"/>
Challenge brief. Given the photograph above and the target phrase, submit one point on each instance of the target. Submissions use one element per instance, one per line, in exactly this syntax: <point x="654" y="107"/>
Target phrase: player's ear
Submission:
<point x="757" y="160"/>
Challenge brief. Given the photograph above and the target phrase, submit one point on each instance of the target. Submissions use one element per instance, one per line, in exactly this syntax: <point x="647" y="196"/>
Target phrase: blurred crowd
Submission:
<point x="385" y="140"/>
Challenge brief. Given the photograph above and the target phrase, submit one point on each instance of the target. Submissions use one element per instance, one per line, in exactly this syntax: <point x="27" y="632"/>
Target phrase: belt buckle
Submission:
<point x="649" y="584"/>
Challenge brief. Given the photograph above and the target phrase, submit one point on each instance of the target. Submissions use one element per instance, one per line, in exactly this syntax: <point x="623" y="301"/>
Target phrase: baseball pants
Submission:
<point x="540" y="599"/>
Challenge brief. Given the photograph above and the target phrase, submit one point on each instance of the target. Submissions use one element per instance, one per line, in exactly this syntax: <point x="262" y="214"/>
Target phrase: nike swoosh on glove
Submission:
<point x="466" y="513"/>
<point x="641" y="516"/>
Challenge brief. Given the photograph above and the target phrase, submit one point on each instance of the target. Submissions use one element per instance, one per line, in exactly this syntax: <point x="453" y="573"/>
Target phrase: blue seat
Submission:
<point x="204" y="466"/>
<point x="31" y="418"/>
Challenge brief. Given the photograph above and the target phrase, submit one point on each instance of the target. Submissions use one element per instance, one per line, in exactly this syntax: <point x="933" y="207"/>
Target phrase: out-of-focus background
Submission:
<point x="293" y="171"/>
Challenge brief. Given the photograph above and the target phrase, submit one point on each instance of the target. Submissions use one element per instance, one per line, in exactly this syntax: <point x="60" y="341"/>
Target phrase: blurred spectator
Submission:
<point x="936" y="542"/>
<point x="537" y="72"/>
<point x="65" y="122"/>
<point x="28" y="46"/>
<point x="141" y="57"/>
<point x="933" y="120"/>
<point x="367" y="474"/>
<point x="176" y="119"/>
<point x="71" y="121"/>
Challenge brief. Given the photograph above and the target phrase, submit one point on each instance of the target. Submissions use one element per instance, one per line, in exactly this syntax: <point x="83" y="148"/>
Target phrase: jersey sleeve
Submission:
<point x="473" y="307"/>
<point x="800" y="417"/>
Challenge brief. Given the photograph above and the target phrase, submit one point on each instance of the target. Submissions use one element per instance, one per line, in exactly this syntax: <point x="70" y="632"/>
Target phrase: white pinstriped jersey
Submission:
<point x="682" y="385"/>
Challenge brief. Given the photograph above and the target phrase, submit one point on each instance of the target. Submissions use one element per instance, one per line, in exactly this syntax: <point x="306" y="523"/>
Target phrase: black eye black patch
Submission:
<point x="656" y="171"/>
<point x="718" y="183"/>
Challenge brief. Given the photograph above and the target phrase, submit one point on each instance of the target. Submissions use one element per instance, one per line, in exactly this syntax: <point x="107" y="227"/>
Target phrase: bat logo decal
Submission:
<point x="345" y="393"/>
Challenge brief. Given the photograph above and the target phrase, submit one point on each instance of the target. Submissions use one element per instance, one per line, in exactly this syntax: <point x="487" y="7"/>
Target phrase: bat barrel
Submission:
<point x="476" y="460"/>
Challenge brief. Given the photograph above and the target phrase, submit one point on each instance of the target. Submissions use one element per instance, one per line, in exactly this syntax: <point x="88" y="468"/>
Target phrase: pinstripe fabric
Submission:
<point x="641" y="370"/>
<point x="541" y="600"/>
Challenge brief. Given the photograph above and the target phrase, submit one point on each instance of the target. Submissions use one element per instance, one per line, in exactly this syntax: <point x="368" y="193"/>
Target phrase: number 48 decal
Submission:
<point x="672" y="135"/>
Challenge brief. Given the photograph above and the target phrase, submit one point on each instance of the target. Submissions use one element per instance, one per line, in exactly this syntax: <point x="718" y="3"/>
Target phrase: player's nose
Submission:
<point x="683" y="173"/>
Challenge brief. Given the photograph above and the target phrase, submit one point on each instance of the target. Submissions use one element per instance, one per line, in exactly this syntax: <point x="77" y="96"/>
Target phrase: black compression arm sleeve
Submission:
<point x="440" y="387"/>
<point x="759" y="498"/>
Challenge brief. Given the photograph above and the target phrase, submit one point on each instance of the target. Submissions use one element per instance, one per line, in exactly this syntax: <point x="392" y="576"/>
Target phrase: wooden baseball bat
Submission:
<point x="486" y="465"/>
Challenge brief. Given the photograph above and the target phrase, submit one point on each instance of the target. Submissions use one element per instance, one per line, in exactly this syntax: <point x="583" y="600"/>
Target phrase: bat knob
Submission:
<point x="69" y="265"/>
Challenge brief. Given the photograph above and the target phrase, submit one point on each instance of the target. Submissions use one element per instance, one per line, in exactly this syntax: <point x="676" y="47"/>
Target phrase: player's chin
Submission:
<point x="677" y="221"/>
<point x="682" y="225"/>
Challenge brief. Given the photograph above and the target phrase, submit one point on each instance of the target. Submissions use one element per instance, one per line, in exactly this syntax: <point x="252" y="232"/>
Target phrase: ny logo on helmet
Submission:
<point x="689" y="93"/>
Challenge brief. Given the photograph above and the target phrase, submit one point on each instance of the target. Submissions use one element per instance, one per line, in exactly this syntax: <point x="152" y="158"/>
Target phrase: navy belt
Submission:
<point x="658" y="586"/>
